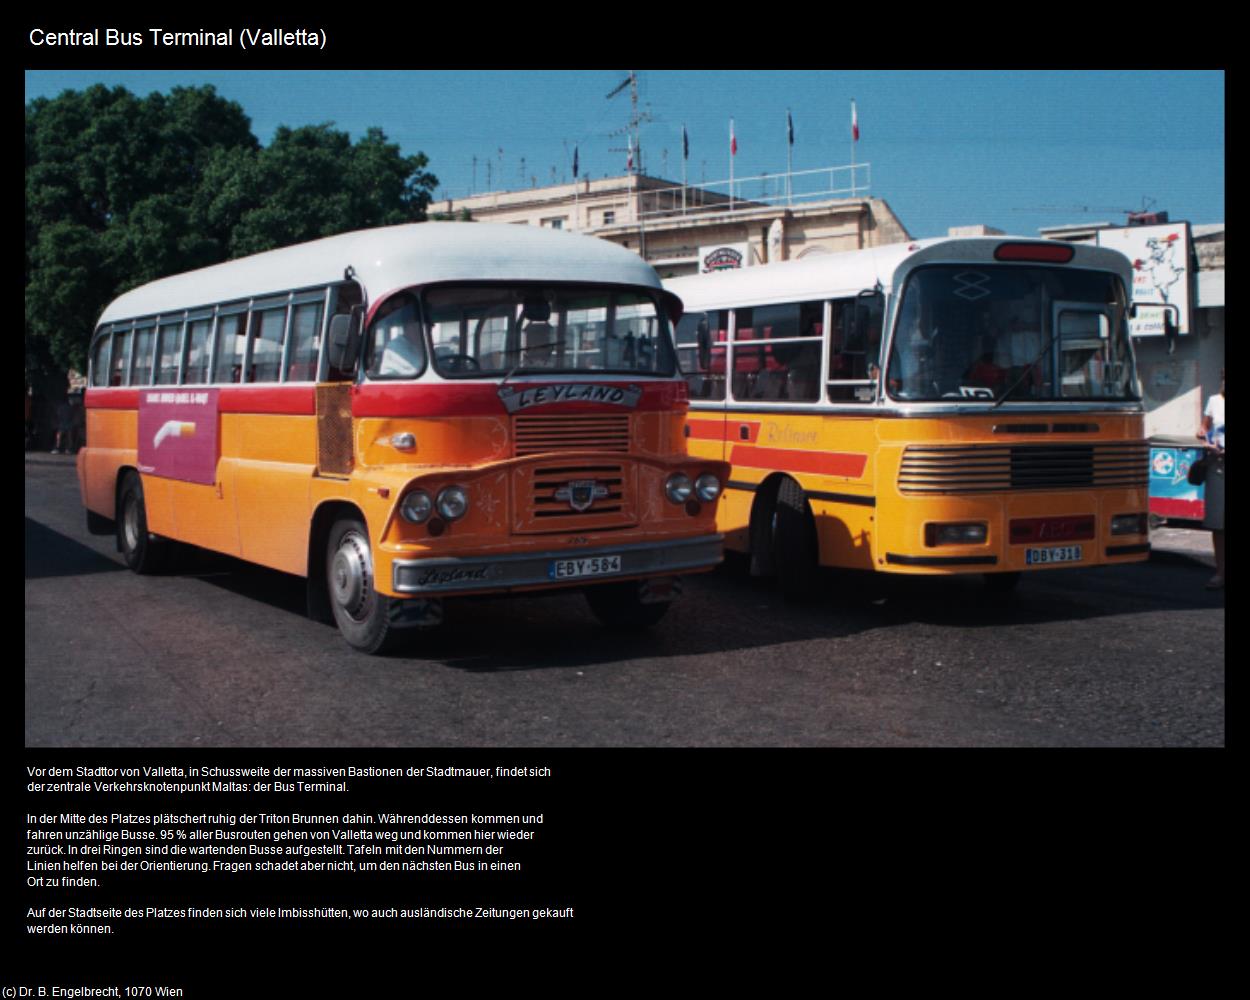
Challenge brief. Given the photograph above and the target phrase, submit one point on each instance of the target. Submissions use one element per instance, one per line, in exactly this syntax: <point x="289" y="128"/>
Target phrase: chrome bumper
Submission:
<point x="533" y="569"/>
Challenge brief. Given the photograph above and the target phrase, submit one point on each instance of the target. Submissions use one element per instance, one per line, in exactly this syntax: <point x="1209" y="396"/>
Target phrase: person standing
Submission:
<point x="1213" y="434"/>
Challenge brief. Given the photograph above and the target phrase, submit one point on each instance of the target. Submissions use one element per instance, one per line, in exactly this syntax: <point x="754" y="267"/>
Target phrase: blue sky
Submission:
<point x="1016" y="150"/>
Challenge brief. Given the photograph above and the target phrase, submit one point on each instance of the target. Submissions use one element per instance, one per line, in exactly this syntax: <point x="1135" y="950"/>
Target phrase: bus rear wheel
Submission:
<point x="795" y="554"/>
<point x="361" y="613"/>
<point x="620" y="605"/>
<point x="142" y="551"/>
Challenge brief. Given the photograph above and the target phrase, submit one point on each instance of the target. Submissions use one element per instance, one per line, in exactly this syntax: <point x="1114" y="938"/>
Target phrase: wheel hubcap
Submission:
<point x="130" y="523"/>
<point x="350" y="574"/>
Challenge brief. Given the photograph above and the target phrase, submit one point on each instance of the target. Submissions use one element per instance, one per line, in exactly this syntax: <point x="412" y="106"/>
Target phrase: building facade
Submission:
<point x="673" y="227"/>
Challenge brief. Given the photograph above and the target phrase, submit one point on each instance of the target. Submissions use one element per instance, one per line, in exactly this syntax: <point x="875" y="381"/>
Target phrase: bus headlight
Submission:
<point x="707" y="487"/>
<point x="677" y="488"/>
<point x="1128" y="524"/>
<point x="453" y="503"/>
<point x="417" y="507"/>
<point x="954" y="534"/>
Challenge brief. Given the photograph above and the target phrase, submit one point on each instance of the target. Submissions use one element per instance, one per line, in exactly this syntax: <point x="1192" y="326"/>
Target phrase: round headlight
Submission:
<point x="453" y="503"/>
<point x="417" y="507"/>
<point x="678" y="487"/>
<point x="707" y="487"/>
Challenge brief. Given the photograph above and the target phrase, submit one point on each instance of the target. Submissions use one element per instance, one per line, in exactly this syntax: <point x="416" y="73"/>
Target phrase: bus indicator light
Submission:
<point x="1044" y="253"/>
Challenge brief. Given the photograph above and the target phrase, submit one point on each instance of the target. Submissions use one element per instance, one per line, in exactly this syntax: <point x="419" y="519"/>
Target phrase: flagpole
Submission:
<point x="854" y="129"/>
<point x="732" y="151"/>
<point x="789" y="155"/>
<point x="685" y="152"/>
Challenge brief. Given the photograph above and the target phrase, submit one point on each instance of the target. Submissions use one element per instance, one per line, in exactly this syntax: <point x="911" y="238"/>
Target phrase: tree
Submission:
<point x="121" y="190"/>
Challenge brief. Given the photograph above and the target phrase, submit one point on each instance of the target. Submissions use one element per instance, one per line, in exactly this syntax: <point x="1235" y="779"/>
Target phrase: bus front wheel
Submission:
<point x="361" y="613"/>
<point x="142" y="551"/>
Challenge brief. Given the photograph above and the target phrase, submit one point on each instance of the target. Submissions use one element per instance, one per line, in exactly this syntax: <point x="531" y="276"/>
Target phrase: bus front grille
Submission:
<point x="539" y="435"/>
<point x="998" y="468"/>
<point x="549" y="496"/>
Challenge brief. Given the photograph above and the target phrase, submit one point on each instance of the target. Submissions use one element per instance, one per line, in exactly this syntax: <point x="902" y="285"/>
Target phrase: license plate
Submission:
<point x="1054" y="554"/>
<point x="572" y="569"/>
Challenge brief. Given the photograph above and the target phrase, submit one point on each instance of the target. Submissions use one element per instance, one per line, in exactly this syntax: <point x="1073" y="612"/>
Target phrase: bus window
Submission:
<point x="396" y="347"/>
<point x="99" y="360"/>
<point x="305" y="342"/>
<point x="231" y="343"/>
<point x="118" y="367"/>
<point x="142" y="374"/>
<point x="782" y="360"/>
<point x="198" y="344"/>
<point x="268" y="328"/>
<point x="854" y="349"/>
<point x="701" y="345"/>
<point x="168" y="351"/>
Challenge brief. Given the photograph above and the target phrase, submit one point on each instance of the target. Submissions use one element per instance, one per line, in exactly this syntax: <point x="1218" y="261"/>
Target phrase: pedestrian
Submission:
<point x="1212" y="434"/>
<point x="64" y="428"/>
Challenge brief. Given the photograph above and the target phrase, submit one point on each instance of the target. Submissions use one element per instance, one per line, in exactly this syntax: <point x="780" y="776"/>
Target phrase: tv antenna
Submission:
<point x="636" y="118"/>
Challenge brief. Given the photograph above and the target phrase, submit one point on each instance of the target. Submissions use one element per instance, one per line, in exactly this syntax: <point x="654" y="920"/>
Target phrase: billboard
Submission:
<point x="1161" y="272"/>
<point x="724" y="257"/>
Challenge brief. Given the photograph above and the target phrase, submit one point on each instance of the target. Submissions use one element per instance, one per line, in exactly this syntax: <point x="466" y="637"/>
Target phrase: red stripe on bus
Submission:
<point x="111" y="399"/>
<point x="793" y="460"/>
<point x="438" y="399"/>
<point x="719" y="430"/>
<point x="292" y="399"/>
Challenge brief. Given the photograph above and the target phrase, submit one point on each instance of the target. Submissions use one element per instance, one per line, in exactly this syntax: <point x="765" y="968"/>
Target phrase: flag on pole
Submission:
<point x="629" y="164"/>
<point x="790" y="128"/>
<point x="575" y="163"/>
<point x="733" y="139"/>
<point x="685" y="144"/>
<point x="854" y="122"/>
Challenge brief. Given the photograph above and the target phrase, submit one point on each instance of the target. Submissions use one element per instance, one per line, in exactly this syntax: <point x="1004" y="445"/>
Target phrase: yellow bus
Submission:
<point x="943" y="406"/>
<point x="404" y="414"/>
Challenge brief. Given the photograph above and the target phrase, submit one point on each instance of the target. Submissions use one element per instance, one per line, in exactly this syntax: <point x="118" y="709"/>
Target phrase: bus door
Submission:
<point x="702" y="345"/>
<point x="334" y="392"/>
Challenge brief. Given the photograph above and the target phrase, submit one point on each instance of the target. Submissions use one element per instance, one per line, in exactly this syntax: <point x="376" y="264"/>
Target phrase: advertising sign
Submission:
<point x="1171" y="494"/>
<point x="178" y="434"/>
<point x="1161" y="272"/>
<point x="724" y="257"/>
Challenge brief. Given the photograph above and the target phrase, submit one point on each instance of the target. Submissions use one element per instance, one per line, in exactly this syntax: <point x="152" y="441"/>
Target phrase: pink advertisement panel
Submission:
<point x="178" y="434"/>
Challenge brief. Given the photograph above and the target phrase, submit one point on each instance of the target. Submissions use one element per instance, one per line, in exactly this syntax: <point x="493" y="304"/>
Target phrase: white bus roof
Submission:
<point x="395" y="257"/>
<point x="842" y="275"/>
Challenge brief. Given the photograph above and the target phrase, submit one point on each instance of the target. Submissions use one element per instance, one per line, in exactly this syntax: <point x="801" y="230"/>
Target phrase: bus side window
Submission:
<point x="142" y="373"/>
<point x="168" y="351"/>
<point x="99" y="360"/>
<point x="305" y="342"/>
<point x="120" y="363"/>
<point x="198" y="344"/>
<point x="268" y="328"/>
<point x="231" y="343"/>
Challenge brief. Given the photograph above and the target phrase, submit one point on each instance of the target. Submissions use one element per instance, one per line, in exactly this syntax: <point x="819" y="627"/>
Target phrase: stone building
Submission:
<point x="674" y="226"/>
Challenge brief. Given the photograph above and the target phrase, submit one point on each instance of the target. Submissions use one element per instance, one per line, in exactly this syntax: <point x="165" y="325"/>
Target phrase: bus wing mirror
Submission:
<point x="344" y="341"/>
<point x="673" y="306"/>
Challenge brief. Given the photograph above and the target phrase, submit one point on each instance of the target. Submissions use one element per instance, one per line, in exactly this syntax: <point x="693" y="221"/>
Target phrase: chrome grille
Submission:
<point x="539" y="509"/>
<point x="996" y="468"/>
<point x="538" y="435"/>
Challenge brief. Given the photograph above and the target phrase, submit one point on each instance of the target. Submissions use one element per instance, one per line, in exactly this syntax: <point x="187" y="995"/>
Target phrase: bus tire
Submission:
<point x="1002" y="583"/>
<point x="143" y="552"/>
<point x="360" y="612"/>
<point x="795" y="555"/>
<point x="620" y="606"/>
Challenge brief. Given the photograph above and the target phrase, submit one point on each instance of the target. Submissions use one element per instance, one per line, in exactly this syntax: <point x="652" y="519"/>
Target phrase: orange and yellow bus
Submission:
<point x="995" y="428"/>
<point x="404" y="414"/>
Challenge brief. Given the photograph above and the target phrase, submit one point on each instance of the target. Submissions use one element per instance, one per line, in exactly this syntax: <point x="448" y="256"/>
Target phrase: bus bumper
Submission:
<point x="557" y="567"/>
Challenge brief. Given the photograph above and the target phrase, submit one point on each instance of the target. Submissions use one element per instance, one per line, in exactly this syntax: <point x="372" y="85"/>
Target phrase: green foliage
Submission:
<point x="121" y="190"/>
